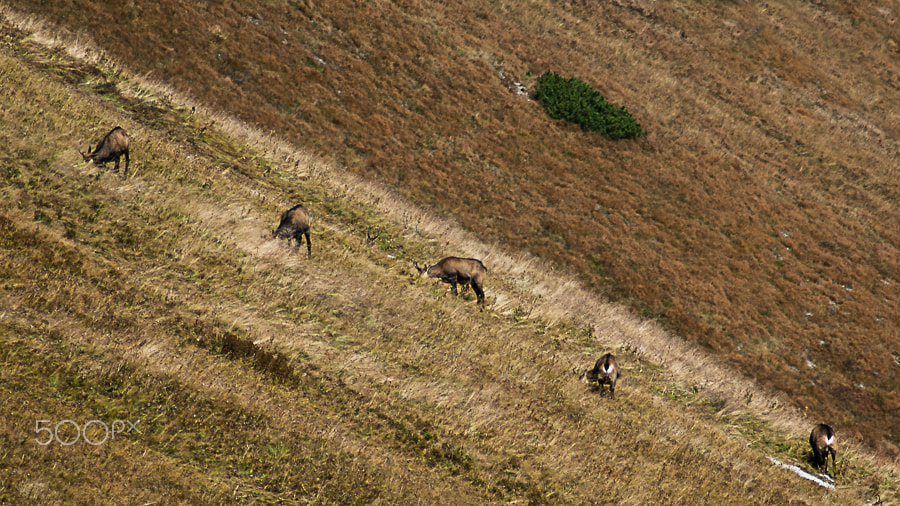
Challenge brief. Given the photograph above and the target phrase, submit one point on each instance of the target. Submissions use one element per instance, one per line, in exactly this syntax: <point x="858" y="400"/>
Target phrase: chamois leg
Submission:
<point x="300" y="236"/>
<point x="479" y="293"/>
<point x="452" y="282"/>
<point x="308" y="244"/>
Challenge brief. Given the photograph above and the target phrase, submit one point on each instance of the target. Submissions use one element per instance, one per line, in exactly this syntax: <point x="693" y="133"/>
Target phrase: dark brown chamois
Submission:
<point x="455" y="270"/>
<point x="605" y="372"/>
<point x="822" y="441"/>
<point x="294" y="225"/>
<point x="113" y="146"/>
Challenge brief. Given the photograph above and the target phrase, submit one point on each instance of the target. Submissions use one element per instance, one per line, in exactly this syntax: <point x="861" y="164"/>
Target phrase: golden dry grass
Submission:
<point x="757" y="220"/>
<point x="258" y="375"/>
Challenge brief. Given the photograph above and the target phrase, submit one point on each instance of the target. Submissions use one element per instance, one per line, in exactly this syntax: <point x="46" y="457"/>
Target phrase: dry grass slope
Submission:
<point x="255" y="374"/>
<point x="758" y="219"/>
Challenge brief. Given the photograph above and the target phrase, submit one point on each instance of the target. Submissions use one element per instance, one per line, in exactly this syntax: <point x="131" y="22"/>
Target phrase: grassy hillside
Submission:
<point x="758" y="218"/>
<point x="253" y="373"/>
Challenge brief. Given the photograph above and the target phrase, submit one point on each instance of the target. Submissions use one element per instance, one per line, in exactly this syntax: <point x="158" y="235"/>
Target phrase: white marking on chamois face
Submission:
<point x="829" y="440"/>
<point x="607" y="368"/>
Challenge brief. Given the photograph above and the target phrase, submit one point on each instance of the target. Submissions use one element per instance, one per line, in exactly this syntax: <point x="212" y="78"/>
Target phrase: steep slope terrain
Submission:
<point x="252" y="373"/>
<point x="758" y="219"/>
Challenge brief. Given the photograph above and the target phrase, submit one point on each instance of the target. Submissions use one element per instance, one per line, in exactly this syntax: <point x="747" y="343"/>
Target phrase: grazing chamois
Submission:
<point x="458" y="270"/>
<point x="113" y="146"/>
<point x="605" y="372"/>
<point x="822" y="440"/>
<point x="294" y="225"/>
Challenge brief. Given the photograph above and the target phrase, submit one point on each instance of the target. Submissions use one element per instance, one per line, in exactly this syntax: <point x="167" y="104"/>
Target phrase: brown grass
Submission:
<point x="260" y="376"/>
<point x="757" y="220"/>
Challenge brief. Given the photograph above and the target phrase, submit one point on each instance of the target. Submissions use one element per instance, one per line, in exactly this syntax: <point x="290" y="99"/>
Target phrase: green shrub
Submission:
<point x="574" y="100"/>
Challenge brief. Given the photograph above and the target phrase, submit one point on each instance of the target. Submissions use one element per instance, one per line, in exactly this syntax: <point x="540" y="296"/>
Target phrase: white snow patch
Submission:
<point x="821" y="480"/>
